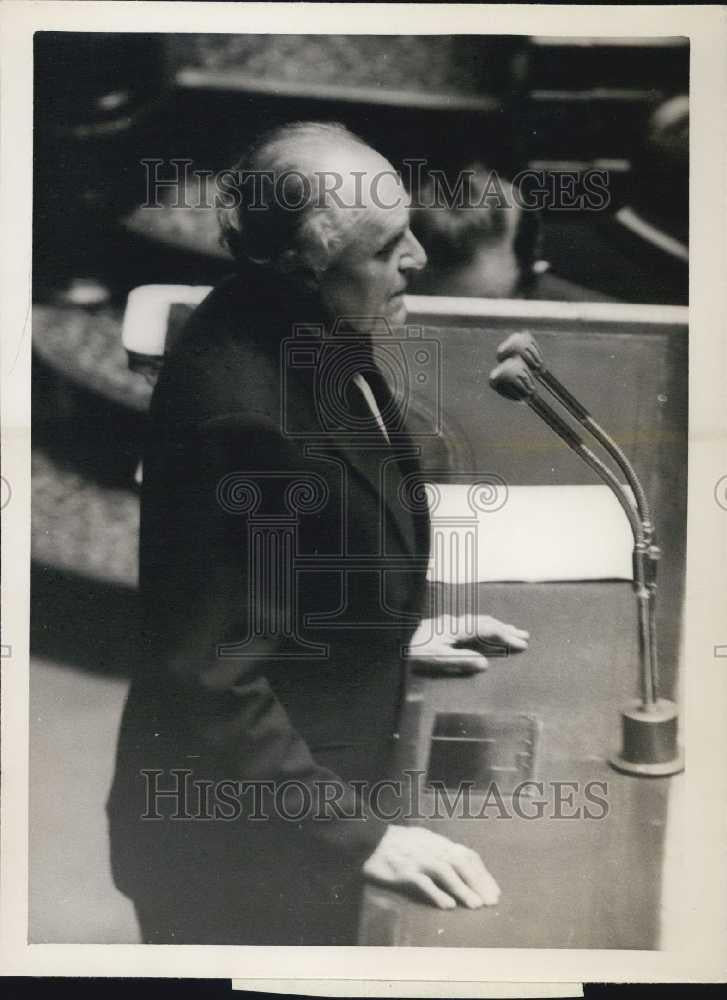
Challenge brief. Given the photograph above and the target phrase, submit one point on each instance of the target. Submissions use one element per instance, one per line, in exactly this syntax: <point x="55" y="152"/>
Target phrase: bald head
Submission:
<point x="302" y="193"/>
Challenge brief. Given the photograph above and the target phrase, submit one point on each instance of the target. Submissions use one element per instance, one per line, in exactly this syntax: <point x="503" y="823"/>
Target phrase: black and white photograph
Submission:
<point x="359" y="384"/>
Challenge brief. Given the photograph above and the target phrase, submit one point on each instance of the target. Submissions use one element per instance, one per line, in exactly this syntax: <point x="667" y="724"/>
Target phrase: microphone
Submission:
<point x="513" y="379"/>
<point x="523" y="345"/>
<point x="650" y="726"/>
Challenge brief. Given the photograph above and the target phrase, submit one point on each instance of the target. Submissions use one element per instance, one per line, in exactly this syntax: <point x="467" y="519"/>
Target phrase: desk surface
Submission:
<point x="566" y="883"/>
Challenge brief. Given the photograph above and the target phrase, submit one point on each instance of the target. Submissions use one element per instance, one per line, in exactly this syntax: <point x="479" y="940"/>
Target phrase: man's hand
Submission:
<point x="445" y="873"/>
<point x="448" y="645"/>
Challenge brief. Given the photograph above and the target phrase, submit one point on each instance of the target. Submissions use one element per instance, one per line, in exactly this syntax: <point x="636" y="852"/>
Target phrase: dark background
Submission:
<point x="104" y="102"/>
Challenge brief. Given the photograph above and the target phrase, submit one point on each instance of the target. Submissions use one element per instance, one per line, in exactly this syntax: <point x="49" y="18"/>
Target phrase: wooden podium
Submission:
<point x="566" y="882"/>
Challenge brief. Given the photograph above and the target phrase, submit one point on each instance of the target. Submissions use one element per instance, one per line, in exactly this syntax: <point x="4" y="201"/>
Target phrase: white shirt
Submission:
<point x="368" y="395"/>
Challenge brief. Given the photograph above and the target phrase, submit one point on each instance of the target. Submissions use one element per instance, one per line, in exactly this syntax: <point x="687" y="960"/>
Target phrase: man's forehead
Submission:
<point x="359" y="177"/>
<point x="369" y="202"/>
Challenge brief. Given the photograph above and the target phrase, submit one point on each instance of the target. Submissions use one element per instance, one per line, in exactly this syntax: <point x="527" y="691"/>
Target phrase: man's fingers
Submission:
<point x="518" y="633"/>
<point x="457" y="662"/>
<point x="440" y="656"/>
<point x="426" y="668"/>
<point x="444" y="872"/>
<point x="431" y="890"/>
<point x="491" y="631"/>
<point x="516" y="641"/>
<point x="453" y="646"/>
<point x="506" y="632"/>
<point x="446" y="876"/>
<point x="507" y="640"/>
<point x="470" y="867"/>
<point x="486" y="624"/>
<point x="463" y="660"/>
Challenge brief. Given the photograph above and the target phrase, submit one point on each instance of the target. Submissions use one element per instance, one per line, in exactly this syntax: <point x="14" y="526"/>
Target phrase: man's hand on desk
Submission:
<point x="448" y="645"/>
<point x="413" y="858"/>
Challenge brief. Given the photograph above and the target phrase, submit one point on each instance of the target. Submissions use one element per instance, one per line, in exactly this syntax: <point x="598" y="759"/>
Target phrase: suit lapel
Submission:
<point x="377" y="465"/>
<point x="346" y="426"/>
<point x="406" y="503"/>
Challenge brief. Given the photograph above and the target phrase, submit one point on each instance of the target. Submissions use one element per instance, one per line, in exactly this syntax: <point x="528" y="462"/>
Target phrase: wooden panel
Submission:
<point x="624" y="378"/>
<point x="566" y="883"/>
<point x="627" y="364"/>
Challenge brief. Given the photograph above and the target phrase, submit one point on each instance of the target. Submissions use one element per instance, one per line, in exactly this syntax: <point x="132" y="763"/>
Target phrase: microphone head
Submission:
<point x="521" y="345"/>
<point x="513" y="379"/>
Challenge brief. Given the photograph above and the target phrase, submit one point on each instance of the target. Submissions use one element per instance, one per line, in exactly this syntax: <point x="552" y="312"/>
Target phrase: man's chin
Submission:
<point x="397" y="310"/>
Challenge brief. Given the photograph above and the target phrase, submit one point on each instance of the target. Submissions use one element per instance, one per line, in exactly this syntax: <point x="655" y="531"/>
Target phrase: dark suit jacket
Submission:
<point x="271" y="508"/>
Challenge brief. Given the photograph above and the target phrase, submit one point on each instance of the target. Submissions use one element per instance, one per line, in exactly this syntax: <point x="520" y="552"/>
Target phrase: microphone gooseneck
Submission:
<point x="514" y="379"/>
<point x="650" y="744"/>
<point x="523" y="345"/>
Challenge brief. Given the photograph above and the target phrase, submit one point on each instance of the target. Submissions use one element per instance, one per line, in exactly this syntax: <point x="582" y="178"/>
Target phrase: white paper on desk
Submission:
<point x="529" y="533"/>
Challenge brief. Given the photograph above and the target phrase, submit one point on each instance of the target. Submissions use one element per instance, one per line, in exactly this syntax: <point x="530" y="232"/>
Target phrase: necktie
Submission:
<point x="368" y="395"/>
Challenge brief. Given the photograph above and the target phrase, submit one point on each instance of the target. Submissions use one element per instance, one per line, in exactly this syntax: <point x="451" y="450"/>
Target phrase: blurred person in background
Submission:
<point x="485" y="244"/>
<point x="639" y="250"/>
<point x="656" y="217"/>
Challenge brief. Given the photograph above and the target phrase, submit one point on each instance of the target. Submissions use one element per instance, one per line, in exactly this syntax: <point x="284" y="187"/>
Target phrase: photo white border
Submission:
<point x="696" y="951"/>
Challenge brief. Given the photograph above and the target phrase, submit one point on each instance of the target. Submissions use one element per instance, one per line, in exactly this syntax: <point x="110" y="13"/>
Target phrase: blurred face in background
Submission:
<point x="483" y="245"/>
<point x="493" y="273"/>
<point x="491" y="270"/>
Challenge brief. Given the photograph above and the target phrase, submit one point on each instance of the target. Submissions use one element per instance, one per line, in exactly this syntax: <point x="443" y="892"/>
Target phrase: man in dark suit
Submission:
<point x="282" y="572"/>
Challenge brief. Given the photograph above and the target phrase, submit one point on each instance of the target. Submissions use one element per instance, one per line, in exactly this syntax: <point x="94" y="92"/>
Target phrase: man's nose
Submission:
<point x="414" y="257"/>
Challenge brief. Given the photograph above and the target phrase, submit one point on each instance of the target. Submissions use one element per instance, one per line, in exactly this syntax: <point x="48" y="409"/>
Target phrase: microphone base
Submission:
<point x="650" y="747"/>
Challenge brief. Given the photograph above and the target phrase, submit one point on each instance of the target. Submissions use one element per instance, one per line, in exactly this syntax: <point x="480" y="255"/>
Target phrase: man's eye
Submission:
<point x="387" y="250"/>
